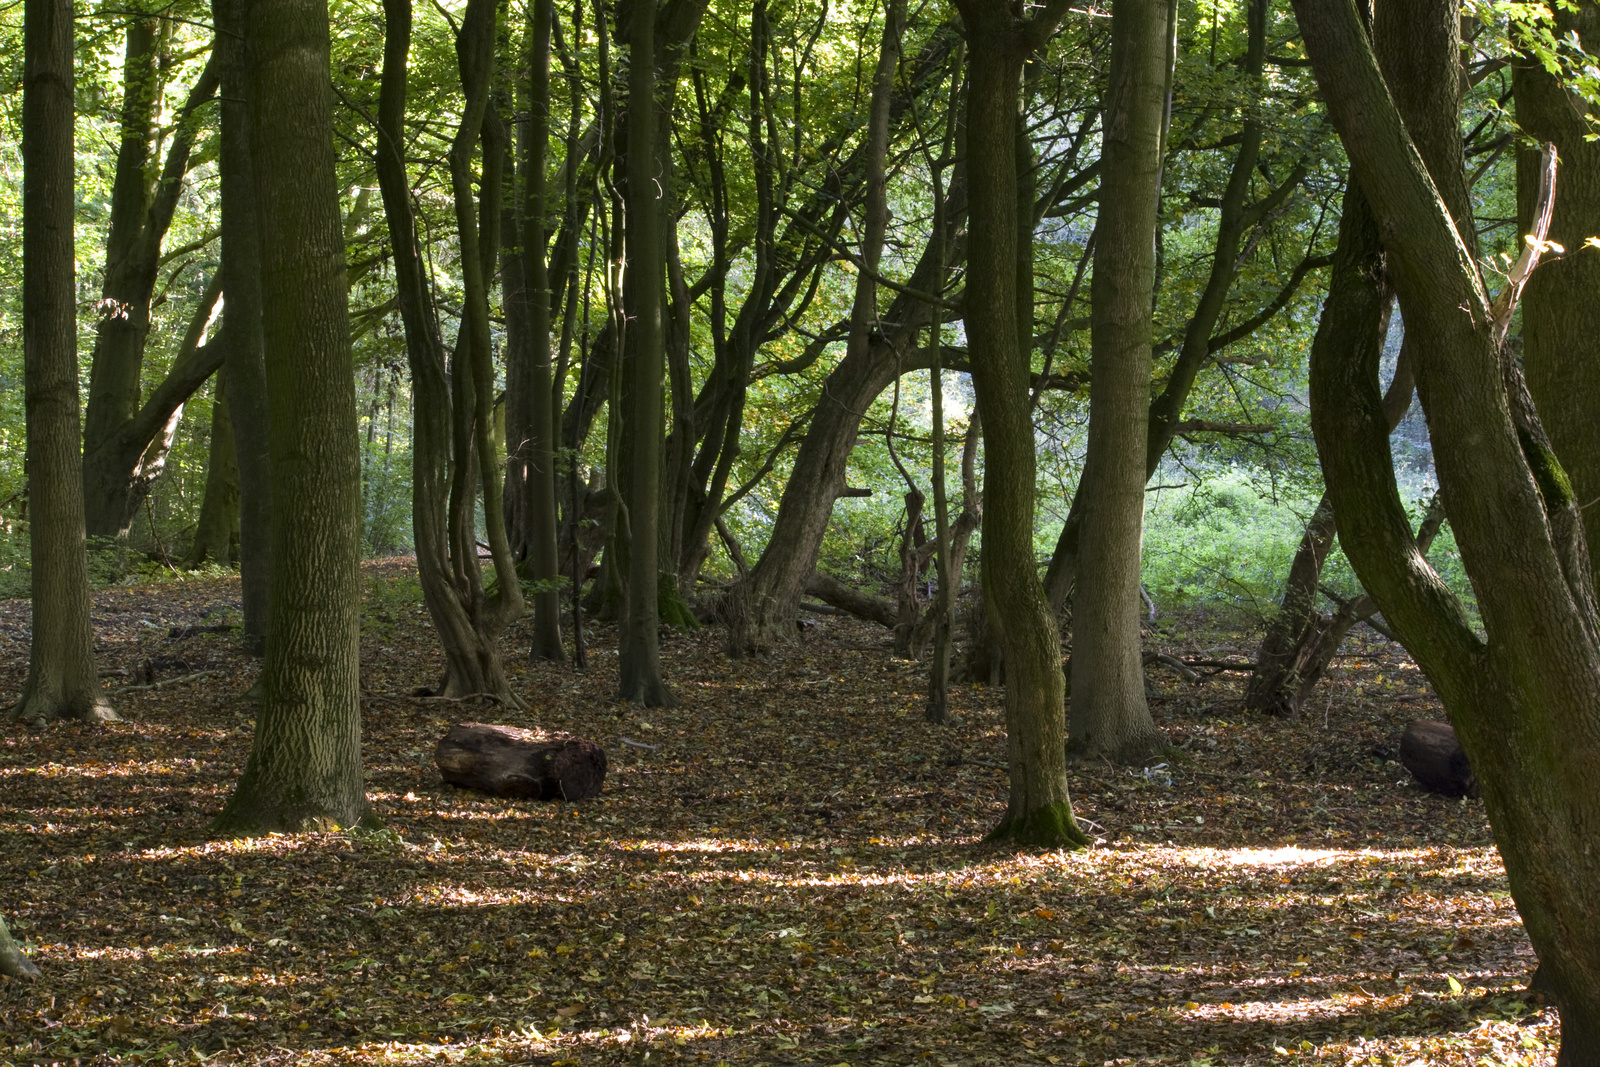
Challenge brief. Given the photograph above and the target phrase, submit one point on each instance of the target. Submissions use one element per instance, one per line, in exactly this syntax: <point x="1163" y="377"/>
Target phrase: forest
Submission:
<point x="800" y="531"/>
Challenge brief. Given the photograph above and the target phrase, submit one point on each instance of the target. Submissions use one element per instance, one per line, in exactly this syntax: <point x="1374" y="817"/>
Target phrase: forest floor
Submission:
<point x="793" y="875"/>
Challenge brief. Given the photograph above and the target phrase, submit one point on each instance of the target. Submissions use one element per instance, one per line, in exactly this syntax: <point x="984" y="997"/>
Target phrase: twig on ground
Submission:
<point x="163" y="684"/>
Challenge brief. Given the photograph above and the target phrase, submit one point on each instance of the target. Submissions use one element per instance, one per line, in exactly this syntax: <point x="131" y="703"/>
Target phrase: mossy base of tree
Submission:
<point x="1048" y="827"/>
<point x="673" y="609"/>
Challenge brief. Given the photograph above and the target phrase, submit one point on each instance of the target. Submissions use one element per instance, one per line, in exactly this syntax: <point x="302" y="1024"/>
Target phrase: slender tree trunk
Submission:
<point x="13" y="964"/>
<point x="1109" y="715"/>
<point x="304" y="768"/>
<point x="1038" y="811"/>
<point x="639" y="654"/>
<point x="530" y="471"/>
<point x="62" y="679"/>
<point x="245" y="371"/>
<point x="216" y="535"/>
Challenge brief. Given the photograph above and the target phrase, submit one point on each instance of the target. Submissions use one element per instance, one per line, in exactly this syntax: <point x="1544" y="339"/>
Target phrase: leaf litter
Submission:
<point x="792" y="874"/>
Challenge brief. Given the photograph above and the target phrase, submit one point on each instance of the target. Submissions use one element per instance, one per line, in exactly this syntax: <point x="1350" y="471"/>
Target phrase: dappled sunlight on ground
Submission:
<point x="790" y="877"/>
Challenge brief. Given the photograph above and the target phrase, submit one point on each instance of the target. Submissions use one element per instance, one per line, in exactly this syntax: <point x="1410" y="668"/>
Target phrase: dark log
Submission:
<point x="830" y="590"/>
<point x="509" y="762"/>
<point x="1430" y="751"/>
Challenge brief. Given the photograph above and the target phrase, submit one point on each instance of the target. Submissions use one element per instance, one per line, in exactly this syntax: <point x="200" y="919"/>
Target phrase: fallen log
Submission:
<point x="831" y="591"/>
<point x="509" y="762"/>
<point x="1430" y="751"/>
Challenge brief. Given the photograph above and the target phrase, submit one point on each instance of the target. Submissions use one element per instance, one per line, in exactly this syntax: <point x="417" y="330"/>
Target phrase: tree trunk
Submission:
<point x="1038" y="810"/>
<point x="122" y="453"/>
<point x="13" y="964"/>
<point x="1521" y="699"/>
<point x="444" y="441"/>
<point x="1108" y="715"/>
<point x="245" y="371"/>
<point x="639" y="653"/>
<point x="216" y="534"/>
<point x="530" y="467"/>
<point x="1560" y="317"/>
<point x="62" y="679"/>
<point x="304" y="768"/>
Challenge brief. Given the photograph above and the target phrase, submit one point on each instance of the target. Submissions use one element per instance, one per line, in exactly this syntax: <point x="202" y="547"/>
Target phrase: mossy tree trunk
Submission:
<point x="1039" y="810"/>
<point x="1560" y="315"/>
<point x="62" y="679"/>
<point x="304" y="768"/>
<point x="1522" y="699"/>
<point x="1109" y="715"/>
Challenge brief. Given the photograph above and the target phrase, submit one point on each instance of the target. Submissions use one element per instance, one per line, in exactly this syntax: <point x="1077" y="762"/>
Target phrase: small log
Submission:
<point x="1430" y="751"/>
<point x="509" y="762"/>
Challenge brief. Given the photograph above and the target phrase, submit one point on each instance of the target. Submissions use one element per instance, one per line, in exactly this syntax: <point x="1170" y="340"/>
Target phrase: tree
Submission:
<point x="1560" y="318"/>
<point x="451" y="406"/>
<point x="245" y="371"/>
<point x="1522" y="697"/>
<point x="62" y="679"/>
<point x="530" y="401"/>
<point x="1038" y="810"/>
<point x="13" y="964"/>
<point x="1109" y="715"/>
<point x="126" y="439"/>
<point x="639" y="652"/>
<point x="304" y="768"/>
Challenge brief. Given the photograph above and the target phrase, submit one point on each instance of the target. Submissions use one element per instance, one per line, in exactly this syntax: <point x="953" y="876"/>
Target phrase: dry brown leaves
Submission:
<point x="791" y="876"/>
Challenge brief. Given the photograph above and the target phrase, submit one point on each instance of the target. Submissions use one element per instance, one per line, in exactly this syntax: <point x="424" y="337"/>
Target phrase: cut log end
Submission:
<point x="1430" y="751"/>
<point x="509" y="762"/>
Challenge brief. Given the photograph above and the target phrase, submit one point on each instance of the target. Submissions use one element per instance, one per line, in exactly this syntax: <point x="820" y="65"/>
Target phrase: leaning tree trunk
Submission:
<point x="1038" y="810"/>
<point x="1108" y="713"/>
<point x="62" y="680"/>
<point x="245" y="370"/>
<point x="304" y="769"/>
<point x="1523" y="697"/>
<point x="13" y="964"/>
<point x="639" y="654"/>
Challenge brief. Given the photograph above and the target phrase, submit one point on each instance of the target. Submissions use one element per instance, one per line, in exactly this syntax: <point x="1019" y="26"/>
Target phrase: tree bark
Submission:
<point x="639" y="652"/>
<point x="245" y="370"/>
<point x="1560" y="317"/>
<point x="62" y="679"/>
<point x="1108" y="714"/>
<point x="1522" y="700"/>
<point x="1038" y="810"/>
<point x="13" y="964"/>
<point x="304" y="768"/>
